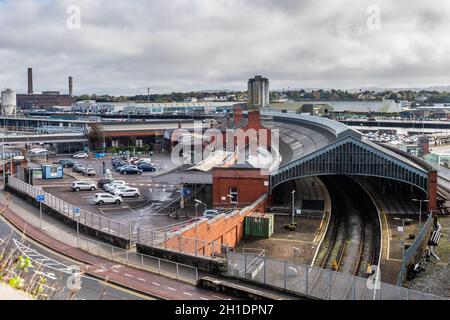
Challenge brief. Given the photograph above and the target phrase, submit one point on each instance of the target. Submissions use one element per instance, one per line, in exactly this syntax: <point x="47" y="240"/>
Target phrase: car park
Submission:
<point x="106" y="198"/>
<point x="128" y="192"/>
<point x="80" y="155"/>
<point x="90" y="172"/>
<point x="83" y="186"/>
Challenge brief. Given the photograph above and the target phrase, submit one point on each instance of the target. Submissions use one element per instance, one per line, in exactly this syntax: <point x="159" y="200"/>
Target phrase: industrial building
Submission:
<point x="44" y="100"/>
<point x="258" y="93"/>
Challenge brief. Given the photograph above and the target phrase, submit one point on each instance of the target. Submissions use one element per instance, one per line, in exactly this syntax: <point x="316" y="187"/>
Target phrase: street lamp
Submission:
<point x="403" y="220"/>
<point x="293" y="206"/>
<point x="420" y="211"/>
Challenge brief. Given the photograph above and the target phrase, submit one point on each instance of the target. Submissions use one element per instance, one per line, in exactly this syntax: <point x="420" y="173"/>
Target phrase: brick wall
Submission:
<point x="214" y="235"/>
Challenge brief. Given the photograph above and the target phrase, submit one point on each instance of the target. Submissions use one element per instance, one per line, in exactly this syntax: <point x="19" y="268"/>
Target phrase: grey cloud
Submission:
<point x="125" y="46"/>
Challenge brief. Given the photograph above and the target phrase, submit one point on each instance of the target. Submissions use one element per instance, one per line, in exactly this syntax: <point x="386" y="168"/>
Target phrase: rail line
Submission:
<point x="353" y="236"/>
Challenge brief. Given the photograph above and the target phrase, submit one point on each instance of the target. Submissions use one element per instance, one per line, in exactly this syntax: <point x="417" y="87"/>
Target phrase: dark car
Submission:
<point x="102" y="182"/>
<point x="147" y="167"/>
<point x="120" y="165"/>
<point x="77" y="168"/>
<point x="131" y="170"/>
<point x="66" y="163"/>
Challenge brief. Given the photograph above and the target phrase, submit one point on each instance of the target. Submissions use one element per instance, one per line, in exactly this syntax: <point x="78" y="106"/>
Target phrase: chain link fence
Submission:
<point x="140" y="261"/>
<point x="315" y="282"/>
<point x="412" y="250"/>
<point x="94" y="221"/>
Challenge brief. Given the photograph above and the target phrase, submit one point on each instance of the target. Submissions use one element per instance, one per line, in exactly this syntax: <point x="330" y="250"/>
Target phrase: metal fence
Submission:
<point x="94" y="221"/>
<point x="140" y="261"/>
<point x="412" y="250"/>
<point x="177" y="243"/>
<point x="315" y="282"/>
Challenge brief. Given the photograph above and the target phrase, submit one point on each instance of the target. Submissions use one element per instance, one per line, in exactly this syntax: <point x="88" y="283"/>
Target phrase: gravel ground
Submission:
<point x="436" y="279"/>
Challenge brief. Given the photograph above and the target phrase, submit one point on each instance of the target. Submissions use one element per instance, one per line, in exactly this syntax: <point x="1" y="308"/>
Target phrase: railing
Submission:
<point x="140" y="261"/>
<point x="94" y="221"/>
<point x="315" y="282"/>
<point x="412" y="250"/>
<point x="186" y="245"/>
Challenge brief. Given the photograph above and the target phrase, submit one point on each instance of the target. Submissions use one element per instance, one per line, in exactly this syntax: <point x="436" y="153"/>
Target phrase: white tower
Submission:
<point x="9" y="102"/>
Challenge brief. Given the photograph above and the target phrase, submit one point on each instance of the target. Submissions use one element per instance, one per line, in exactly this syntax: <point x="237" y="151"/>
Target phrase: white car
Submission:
<point x="116" y="188"/>
<point x="108" y="187"/>
<point x="83" y="186"/>
<point x="106" y="198"/>
<point x="128" y="192"/>
<point x="81" y="155"/>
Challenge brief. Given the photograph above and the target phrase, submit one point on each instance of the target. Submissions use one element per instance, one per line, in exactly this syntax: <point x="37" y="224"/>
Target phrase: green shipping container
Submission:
<point x="259" y="225"/>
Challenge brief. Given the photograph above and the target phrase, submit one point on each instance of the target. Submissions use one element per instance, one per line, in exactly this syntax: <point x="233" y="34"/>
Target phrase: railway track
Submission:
<point x="353" y="239"/>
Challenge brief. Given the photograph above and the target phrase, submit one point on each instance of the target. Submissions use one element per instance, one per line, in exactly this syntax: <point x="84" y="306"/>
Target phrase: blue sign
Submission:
<point x="40" y="198"/>
<point x="76" y="211"/>
<point x="100" y="155"/>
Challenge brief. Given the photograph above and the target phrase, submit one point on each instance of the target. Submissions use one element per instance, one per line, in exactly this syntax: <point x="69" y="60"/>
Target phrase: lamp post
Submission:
<point x="420" y="211"/>
<point x="196" y="209"/>
<point x="293" y="206"/>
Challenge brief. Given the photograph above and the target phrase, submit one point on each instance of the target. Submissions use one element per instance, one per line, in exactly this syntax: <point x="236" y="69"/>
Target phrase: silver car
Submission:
<point x="83" y="186"/>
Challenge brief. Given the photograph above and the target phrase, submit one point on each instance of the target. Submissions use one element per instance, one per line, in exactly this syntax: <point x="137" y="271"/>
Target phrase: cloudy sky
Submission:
<point x="123" y="46"/>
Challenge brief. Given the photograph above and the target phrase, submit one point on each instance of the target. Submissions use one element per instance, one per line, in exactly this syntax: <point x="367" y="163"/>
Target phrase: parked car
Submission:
<point x="102" y="182"/>
<point x="83" y="186"/>
<point x="147" y="167"/>
<point x="66" y="163"/>
<point x="115" y="188"/>
<point x="78" y="168"/>
<point x="130" y="170"/>
<point x="106" y="198"/>
<point x="210" y="213"/>
<point x="120" y="165"/>
<point x="133" y="160"/>
<point x="80" y="155"/>
<point x="128" y="192"/>
<point x="113" y="184"/>
<point x="90" y="172"/>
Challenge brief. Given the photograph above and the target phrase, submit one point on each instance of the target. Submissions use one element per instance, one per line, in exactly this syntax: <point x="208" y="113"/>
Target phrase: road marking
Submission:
<point x="156" y="284"/>
<point x="128" y="275"/>
<point x="221" y="298"/>
<point x="188" y="294"/>
<point x="203" y="298"/>
<point x="143" y="280"/>
<point x="115" y="271"/>
<point x="171" y="289"/>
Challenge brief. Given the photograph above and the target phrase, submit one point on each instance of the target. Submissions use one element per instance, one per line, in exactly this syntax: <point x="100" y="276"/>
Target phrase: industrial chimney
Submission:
<point x="70" y="86"/>
<point x="30" y="81"/>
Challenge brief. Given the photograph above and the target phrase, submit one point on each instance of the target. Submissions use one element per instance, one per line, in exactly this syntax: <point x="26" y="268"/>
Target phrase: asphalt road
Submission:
<point x="55" y="269"/>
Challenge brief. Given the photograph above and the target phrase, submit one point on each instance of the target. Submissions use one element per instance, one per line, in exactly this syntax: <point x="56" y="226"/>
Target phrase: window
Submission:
<point x="115" y="143"/>
<point x="139" y="143"/>
<point x="234" y="198"/>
